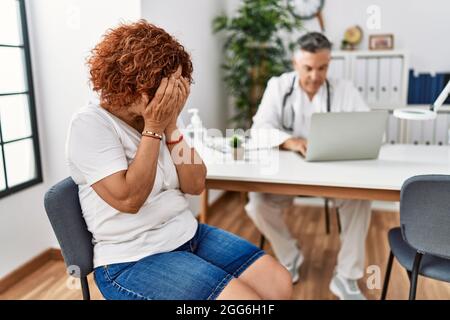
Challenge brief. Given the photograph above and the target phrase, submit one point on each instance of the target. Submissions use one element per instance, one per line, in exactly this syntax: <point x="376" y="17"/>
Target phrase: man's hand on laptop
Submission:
<point x="296" y="144"/>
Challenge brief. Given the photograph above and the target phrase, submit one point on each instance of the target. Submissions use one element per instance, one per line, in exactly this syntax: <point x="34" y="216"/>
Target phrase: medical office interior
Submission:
<point x="338" y="221"/>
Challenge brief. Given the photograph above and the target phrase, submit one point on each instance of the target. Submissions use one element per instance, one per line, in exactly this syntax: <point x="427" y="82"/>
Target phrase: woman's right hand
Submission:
<point x="158" y="113"/>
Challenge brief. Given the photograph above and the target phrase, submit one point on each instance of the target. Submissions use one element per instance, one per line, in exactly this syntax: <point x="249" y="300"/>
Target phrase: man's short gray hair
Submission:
<point x="313" y="42"/>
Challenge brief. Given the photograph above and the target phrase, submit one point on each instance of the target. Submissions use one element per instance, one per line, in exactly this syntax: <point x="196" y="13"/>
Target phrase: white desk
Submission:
<point x="379" y="179"/>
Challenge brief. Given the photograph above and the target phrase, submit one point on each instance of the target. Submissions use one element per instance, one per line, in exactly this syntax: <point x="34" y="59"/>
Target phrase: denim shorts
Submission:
<point x="198" y="270"/>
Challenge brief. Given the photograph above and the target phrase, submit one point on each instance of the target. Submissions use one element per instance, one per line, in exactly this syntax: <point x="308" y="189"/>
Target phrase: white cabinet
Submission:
<point x="380" y="76"/>
<point x="382" y="79"/>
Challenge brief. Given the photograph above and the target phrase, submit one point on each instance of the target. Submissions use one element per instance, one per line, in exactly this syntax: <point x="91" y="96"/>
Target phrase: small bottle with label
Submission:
<point x="195" y="128"/>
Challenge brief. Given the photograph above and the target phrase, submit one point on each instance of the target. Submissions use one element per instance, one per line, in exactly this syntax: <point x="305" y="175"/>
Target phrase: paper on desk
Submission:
<point x="260" y="139"/>
<point x="266" y="139"/>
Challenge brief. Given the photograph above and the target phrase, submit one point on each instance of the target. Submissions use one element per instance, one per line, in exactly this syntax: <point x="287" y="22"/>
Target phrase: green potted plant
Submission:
<point x="236" y="147"/>
<point x="255" y="51"/>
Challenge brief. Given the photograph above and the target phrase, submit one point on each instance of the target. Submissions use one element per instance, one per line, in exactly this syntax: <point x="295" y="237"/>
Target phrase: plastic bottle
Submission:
<point x="196" y="126"/>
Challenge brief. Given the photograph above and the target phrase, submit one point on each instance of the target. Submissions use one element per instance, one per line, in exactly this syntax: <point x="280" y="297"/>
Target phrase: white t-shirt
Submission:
<point x="344" y="97"/>
<point x="100" y="144"/>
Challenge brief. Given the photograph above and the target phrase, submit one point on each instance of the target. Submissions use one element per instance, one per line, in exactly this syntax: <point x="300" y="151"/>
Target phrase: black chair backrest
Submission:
<point x="425" y="213"/>
<point x="63" y="209"/>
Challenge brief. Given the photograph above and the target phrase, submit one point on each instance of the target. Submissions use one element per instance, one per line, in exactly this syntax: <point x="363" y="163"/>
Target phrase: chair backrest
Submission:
<point x="63" y="209"/>
<point x="425" y="213"/>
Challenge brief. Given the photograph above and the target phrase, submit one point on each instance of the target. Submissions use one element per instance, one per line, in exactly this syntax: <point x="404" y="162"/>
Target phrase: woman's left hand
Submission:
<point x="184" y="91"/>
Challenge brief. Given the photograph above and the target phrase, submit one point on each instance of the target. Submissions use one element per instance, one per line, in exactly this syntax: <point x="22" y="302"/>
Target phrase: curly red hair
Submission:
<point x="132" y="59"/>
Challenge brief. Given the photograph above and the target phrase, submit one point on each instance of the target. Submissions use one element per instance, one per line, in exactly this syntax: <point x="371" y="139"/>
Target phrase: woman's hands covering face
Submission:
<point x="163" y="110"/>
<point x="183" y="88"/>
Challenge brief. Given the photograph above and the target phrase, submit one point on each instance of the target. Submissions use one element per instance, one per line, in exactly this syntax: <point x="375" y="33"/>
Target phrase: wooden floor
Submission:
<point x="320" y="250"/>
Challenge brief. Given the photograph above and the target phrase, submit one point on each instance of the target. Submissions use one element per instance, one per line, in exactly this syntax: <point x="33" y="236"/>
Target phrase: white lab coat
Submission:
<point x="343" y="96"/>
<point x="266" y="209"/>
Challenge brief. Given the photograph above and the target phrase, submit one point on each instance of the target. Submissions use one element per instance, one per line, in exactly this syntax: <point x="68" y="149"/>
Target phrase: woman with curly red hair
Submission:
<point x="147" y="243"/>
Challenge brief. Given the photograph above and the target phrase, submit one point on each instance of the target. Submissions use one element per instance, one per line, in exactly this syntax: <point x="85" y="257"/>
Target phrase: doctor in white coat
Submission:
<point x="287" y="105"/>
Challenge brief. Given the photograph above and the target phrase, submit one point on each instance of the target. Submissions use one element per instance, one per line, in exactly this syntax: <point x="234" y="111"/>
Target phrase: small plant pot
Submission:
<point x="238" y="153"/>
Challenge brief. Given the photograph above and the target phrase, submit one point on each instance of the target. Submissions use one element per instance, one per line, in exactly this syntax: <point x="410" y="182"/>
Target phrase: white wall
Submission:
<point x="61" y="34"/>
<point x="191" y="23"/>
<point x="420" y="27"/>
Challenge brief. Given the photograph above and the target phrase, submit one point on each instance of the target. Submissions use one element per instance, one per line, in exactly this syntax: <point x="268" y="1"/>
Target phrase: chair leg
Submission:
<point x="414" y="276"/>
<point x="338" y="219"/>
<point x="262" y="241"/>
<point x="85" y="288"/>
<point x="409" y="275"/>
<point x="387" y="276"/>
<point x="327" y="216"/>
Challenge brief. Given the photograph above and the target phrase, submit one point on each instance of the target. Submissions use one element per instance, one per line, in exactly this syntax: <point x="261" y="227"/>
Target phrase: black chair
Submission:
<point x="422" y="242"/>
<point x="64" y="212"/>
<point x="262" y="239"/>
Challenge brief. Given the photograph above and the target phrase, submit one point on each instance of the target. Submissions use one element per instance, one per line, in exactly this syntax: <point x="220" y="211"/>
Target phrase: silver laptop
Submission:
<point x="346" y="135"/>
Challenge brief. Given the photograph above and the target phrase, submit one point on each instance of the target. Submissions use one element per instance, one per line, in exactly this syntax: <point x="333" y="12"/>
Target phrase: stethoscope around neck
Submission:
<point x="290" y="126"/>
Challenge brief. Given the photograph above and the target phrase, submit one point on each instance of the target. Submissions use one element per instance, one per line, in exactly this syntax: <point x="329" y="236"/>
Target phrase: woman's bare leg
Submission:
<point x="238" y="290"/>
<point x="268" y="278"/>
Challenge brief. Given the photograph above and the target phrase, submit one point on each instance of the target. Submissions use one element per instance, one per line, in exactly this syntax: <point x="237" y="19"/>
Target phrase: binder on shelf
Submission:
<point x="372" y="80"/>
<point x="415" y="132"/>
<point x="441" y="130"/>
<point x="411" y="87"/>
<point x="446" y="80"/>
<point x="360" y="76"/>
<point x="440" y="83"/>
<point x="416" y="88"/>
<point x="421" y="89"/>
<point x="384" y="83"/>
<point x="434" y="87"/>
<point x="427" y="95"/>
<point x="428" y="132"/>
<point x="392" y="136"/>
<point x="396" y="86"/>
<point x="425" y="88"/>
